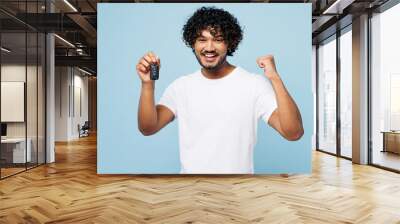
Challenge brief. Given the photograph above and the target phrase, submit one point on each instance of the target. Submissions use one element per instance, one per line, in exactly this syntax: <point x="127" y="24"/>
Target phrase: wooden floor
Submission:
<point x="70" y="191"/>
<point x="5" y="172"/>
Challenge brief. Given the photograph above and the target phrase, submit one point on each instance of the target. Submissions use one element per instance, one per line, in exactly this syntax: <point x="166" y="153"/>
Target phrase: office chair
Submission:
<point x="84" y="130"/>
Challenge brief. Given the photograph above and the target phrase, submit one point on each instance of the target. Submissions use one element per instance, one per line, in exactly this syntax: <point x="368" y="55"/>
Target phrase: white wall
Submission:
<point x="33" y="127"/>
<point x="12" y="73"/>
<point x="81" y="84"/>
<point x="70" y="84"/>
<point x="62" y="81"/>
<point x="15" y="72"/>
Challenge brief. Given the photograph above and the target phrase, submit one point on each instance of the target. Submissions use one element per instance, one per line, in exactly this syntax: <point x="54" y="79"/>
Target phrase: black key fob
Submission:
<point x="153" y="72"/>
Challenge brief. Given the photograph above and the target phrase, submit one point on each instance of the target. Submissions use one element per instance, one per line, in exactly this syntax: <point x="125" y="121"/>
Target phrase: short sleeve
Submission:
<point x="265" y="98"/>
<point x="170" y="98"/>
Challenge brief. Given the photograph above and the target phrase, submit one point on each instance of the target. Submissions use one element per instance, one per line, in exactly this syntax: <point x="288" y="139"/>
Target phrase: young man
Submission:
<point x="217" y="107"/>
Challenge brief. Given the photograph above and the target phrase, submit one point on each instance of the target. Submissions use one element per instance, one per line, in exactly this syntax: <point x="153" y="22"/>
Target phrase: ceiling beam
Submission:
<point x="84" y="61"/>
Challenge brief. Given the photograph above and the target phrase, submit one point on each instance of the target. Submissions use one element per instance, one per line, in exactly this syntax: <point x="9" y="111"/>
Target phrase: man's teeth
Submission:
<point x="209" y="55"/>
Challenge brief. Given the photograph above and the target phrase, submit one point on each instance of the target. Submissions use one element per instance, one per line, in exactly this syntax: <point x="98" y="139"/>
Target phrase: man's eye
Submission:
<point x="201" y="40"/>
<point x="220" y="40"/>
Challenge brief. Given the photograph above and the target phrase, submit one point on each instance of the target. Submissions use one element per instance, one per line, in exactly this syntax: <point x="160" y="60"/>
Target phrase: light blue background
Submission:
<point x="127" y="31"/>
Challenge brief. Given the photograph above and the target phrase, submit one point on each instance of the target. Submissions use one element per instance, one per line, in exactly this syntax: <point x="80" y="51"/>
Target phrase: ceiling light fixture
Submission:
<point x="70" y="5"/>
<point x="337" y="7"/>
<point x="84" y="71"/>
<point x="64" y="40"/>
<point x="5" y="50"/>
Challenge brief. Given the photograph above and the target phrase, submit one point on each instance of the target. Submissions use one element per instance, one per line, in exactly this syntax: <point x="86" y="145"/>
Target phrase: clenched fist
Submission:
<point x="143" y="66"/>
<point x="268" y="64"/>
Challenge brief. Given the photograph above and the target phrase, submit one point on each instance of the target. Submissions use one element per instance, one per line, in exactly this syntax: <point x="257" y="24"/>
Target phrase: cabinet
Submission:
<point x="391" y="141"/>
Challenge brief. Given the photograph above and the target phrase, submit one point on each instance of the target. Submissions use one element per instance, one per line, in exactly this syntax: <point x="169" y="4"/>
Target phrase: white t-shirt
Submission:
<point x="217" y="119"/>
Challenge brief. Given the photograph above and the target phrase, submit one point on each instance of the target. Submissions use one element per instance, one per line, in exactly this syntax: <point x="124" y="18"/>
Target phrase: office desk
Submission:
<point x="391" y="141"/>
<point x="13" y="150"/>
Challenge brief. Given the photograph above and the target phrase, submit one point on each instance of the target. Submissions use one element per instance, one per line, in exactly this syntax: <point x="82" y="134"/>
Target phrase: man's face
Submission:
<point x="210" y="50"/>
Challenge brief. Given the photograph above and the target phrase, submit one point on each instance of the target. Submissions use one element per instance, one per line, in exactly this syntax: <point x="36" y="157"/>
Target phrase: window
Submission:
<point x="327" y="96"/>
<point x="346" y="92"/>
<point x="385" y="88"/>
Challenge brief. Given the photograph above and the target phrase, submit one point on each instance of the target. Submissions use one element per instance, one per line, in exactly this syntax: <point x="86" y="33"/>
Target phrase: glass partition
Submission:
<point x="13" y="109"/>
<point x="22" y="78"/>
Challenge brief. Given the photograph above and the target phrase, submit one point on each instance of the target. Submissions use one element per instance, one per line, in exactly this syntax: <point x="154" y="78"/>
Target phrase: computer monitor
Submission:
<point x="3" y="129"/>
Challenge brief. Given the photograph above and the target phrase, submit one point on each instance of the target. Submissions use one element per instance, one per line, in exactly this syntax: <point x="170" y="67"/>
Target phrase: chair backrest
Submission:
<point x="86" y="124"/>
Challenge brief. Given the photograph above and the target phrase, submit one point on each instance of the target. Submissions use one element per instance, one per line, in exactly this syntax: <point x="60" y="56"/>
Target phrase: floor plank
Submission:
<point x="70" y="191"/>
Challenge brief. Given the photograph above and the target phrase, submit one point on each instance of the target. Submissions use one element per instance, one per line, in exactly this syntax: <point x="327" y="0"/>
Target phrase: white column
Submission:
<point x="50" y="110"/>
<point x="50" y="91"/>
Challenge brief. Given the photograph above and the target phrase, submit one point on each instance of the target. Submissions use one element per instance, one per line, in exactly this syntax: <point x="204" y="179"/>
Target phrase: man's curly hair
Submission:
<point x="216" y="21"/>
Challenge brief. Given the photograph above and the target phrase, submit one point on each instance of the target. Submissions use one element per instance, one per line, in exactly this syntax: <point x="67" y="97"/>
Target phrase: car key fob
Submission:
<point x="154" y="72"/>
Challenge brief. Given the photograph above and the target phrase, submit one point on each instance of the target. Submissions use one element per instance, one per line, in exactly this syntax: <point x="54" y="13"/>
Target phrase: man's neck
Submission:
<point x="224" y="70"/>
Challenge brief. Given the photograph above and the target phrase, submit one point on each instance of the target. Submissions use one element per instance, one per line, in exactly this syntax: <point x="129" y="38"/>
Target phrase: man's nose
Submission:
<point x="209" y="46"/>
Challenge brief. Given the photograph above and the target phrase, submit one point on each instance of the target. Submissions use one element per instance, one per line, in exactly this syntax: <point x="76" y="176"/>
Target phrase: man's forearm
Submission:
<point x="147" y="114"/>
<point x="289" y="115"/>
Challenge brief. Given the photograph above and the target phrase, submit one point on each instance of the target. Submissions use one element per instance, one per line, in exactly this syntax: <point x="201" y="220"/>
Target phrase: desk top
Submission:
<point x="13" y="140"/>
<point x="391" y="132"/>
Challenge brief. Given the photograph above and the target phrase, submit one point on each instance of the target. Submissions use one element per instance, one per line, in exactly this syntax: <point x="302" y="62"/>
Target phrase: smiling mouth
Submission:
<point x="210" y="56"/>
